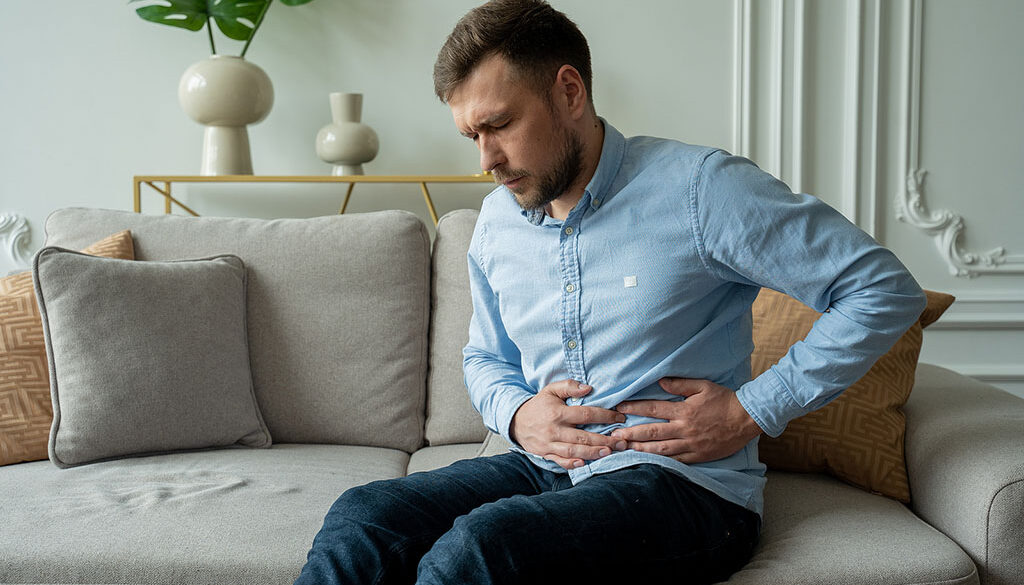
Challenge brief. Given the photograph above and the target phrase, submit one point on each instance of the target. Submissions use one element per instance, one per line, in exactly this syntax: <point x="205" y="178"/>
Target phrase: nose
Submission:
<point x="491" y="154"/>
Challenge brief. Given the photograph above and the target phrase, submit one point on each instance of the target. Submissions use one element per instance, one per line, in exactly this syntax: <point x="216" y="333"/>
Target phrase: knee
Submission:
<point x="473" y="550"/>
<point x="364" y="504"/>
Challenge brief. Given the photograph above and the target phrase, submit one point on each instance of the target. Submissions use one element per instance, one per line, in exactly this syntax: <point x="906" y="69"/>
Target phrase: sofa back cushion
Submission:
<point x="337" y="311"/>
<point x="451" y="417"/>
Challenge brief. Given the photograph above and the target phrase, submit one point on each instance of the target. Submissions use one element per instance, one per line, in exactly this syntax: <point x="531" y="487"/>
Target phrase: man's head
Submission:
<point x="516" y="75"/>
<point x="530" y="35"/>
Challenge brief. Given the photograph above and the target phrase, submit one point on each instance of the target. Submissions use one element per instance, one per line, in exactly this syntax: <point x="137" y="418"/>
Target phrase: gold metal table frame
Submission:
<point x="169" y="200"/>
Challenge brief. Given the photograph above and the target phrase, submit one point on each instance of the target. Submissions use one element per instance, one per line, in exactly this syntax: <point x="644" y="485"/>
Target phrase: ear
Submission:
<point x="570" y="91"/>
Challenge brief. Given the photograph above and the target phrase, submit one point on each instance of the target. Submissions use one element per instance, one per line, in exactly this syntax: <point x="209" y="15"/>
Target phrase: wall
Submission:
<point x="897" y="113"/>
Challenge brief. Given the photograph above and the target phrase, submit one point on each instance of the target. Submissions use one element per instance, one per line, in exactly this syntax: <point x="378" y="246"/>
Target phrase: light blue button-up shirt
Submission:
<point x="653" y="274"/>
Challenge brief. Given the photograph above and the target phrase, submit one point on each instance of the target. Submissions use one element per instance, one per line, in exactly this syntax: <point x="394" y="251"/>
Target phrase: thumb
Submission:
<point x="568" y="389"/>
<point x="685" y="387"/>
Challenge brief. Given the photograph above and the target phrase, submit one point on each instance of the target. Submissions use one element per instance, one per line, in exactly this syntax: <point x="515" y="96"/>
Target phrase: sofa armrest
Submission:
<point x="965" y="459"/>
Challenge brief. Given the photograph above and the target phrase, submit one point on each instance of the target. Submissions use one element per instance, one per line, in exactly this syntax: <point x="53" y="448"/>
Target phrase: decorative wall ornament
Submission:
<point x="16" y="236"/>
<point x="945" y="226"/>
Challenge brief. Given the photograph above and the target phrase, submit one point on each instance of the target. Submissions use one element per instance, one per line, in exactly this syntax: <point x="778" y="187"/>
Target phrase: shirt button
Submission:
<point x="570" y="287"/>
<point x="572" y="344"/>
<point x="597" y="203"/>
<point x="568" y="231"/>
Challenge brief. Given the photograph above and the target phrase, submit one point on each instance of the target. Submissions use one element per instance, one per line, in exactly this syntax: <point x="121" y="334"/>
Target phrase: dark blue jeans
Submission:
<point x="503" y="520"/>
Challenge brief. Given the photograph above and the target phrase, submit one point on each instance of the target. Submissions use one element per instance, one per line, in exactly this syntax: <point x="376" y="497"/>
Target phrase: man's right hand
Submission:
<point x="545" y="425"/>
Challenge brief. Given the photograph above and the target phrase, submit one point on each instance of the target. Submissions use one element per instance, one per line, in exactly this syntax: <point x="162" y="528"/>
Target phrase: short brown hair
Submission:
<point x="530" y="35"/>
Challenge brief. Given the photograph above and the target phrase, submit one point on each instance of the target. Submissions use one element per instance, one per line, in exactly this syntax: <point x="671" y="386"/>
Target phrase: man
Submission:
<point x="612" y="280"/>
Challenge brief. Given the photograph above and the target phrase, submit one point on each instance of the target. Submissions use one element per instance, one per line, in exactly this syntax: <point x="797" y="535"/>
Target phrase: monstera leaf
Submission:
<point x="237" y="19"/>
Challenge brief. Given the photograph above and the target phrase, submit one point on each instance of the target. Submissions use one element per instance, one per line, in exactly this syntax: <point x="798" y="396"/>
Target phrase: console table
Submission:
<point x="169" y="200"/>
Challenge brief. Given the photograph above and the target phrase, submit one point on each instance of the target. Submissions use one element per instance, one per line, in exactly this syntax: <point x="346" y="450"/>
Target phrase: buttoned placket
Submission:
<point x="569" y="270"/>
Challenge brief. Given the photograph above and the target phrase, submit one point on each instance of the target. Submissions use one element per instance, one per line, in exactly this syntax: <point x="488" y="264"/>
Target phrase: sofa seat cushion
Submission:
<point x="227" y="516"/>
<point x="820" y="531"/>
<point x="429" y="458"/>
<point x="337" y="313"/>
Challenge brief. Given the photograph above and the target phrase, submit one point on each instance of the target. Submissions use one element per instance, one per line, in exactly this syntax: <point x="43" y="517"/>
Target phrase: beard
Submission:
<point x="553" y="183"/>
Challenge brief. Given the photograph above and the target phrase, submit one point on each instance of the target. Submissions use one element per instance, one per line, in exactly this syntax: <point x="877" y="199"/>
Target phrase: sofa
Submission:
<point x="354" y="326"/>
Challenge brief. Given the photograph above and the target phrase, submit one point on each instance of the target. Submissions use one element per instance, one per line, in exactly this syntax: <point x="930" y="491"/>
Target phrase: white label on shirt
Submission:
<point x="629" y="281"/>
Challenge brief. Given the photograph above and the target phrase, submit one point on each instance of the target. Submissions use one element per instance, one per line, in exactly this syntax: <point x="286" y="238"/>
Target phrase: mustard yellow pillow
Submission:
<point x="25" y="408"/>
<point x="858" y="437"/>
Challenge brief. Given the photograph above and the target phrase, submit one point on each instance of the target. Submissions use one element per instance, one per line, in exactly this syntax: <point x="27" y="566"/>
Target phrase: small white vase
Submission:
<point x="346" y="142"/>
<point x="226" y="93"/>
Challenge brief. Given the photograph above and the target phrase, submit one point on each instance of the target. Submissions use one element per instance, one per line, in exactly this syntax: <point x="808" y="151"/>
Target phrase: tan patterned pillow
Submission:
<point x="858" y="437"/>
<point x="25" y="409"/>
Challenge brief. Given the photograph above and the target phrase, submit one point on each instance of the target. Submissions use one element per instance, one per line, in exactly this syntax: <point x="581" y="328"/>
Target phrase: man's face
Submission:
<point x="522" y="138"/>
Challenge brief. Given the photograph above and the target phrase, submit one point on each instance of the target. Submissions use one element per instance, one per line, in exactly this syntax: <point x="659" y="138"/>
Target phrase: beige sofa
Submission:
<point x="355" y="326"/>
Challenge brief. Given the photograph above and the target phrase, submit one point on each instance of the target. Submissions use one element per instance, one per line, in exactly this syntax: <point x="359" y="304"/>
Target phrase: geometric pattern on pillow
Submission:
<point x="859" y="436"/>
<point x="25" y="408"/>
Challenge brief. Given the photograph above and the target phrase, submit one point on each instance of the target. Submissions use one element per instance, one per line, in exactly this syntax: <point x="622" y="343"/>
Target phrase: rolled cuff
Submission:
<point x="769" y="402"/>
<point x="511" y="398"/>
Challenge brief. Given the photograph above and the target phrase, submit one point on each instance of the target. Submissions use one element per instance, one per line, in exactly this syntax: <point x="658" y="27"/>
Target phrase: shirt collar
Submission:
<point x="612" y="151"/>
<point x="598" y="190"/>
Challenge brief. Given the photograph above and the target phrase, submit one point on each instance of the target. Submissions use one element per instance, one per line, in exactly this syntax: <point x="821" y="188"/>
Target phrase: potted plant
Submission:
<point x="224" y="93"/>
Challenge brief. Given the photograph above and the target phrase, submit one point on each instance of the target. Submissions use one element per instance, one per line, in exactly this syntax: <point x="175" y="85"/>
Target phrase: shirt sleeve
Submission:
<point x="491" y="361"/>
<point x="751" y="229"/>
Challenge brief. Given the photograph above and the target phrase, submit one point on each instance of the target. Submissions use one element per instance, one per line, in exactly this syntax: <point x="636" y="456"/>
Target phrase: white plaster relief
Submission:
<point x="946" y="227"/>
<point x="16" y="237"/>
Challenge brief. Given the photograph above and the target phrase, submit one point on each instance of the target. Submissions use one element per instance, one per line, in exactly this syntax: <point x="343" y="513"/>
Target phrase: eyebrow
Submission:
<point x="487" y="122"/>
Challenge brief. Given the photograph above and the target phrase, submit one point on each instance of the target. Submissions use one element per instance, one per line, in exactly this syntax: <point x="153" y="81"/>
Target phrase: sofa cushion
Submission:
<point x="145" y="357"/>
<point x="451" y="418"/>
<point x="429" y="458"/>
<point x="337" y="313"/>
<point x="25" y="410"/>
<point x="239" y="516"/>
<point x="859" y="436"/>
<point x="820" y="531"/>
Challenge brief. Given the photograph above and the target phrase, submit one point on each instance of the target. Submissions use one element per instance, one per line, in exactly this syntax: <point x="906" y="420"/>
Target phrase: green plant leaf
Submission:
<point x="187" y="14"/>
<point x="237" y="18"/>
<point x="295" y="2"/>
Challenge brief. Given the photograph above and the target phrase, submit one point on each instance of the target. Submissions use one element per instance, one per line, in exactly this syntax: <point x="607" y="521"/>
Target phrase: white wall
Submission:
<point x="840" y="98"/>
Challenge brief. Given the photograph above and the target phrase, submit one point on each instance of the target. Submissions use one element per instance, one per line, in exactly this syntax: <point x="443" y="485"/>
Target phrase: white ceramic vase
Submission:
<point x="225" y="94"/>
<point x="346" y="142"/>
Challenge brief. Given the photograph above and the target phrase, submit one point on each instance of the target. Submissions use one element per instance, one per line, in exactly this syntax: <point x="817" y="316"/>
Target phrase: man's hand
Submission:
<point x="545" y="425"/>
<point x="710" y="424"/>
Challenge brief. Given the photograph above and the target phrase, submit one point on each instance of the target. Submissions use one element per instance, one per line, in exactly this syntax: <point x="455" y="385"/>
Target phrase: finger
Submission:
<point x="581" y="415"/>
<point x="662" y="409"/>
<point x="565" y="463"/>
<point x="565" y="389"/>
<point x="668" y="448"/>
<point x="682" y="386"/>
<point x="585" y="445"/>
<point x="649" y="432"/>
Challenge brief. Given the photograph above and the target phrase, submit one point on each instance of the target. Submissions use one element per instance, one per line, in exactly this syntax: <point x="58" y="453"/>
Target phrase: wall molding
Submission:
<point x="16" y="236"/>
<point x="766" y="133"/>
<point x="988" y="312"/>
<point x="742" y="55"/>
<point x="852" y="66"/>
<point x="796" y="178"/>
<point x="944" y="226"/>
<point x="776" y="101"/>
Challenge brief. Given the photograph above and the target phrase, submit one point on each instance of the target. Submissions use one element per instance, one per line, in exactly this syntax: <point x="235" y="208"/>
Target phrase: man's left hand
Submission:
<point x="710" y="424"/>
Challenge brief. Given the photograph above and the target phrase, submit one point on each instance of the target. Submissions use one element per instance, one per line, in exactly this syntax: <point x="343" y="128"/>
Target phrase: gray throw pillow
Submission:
<point x="145" y="357"/>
